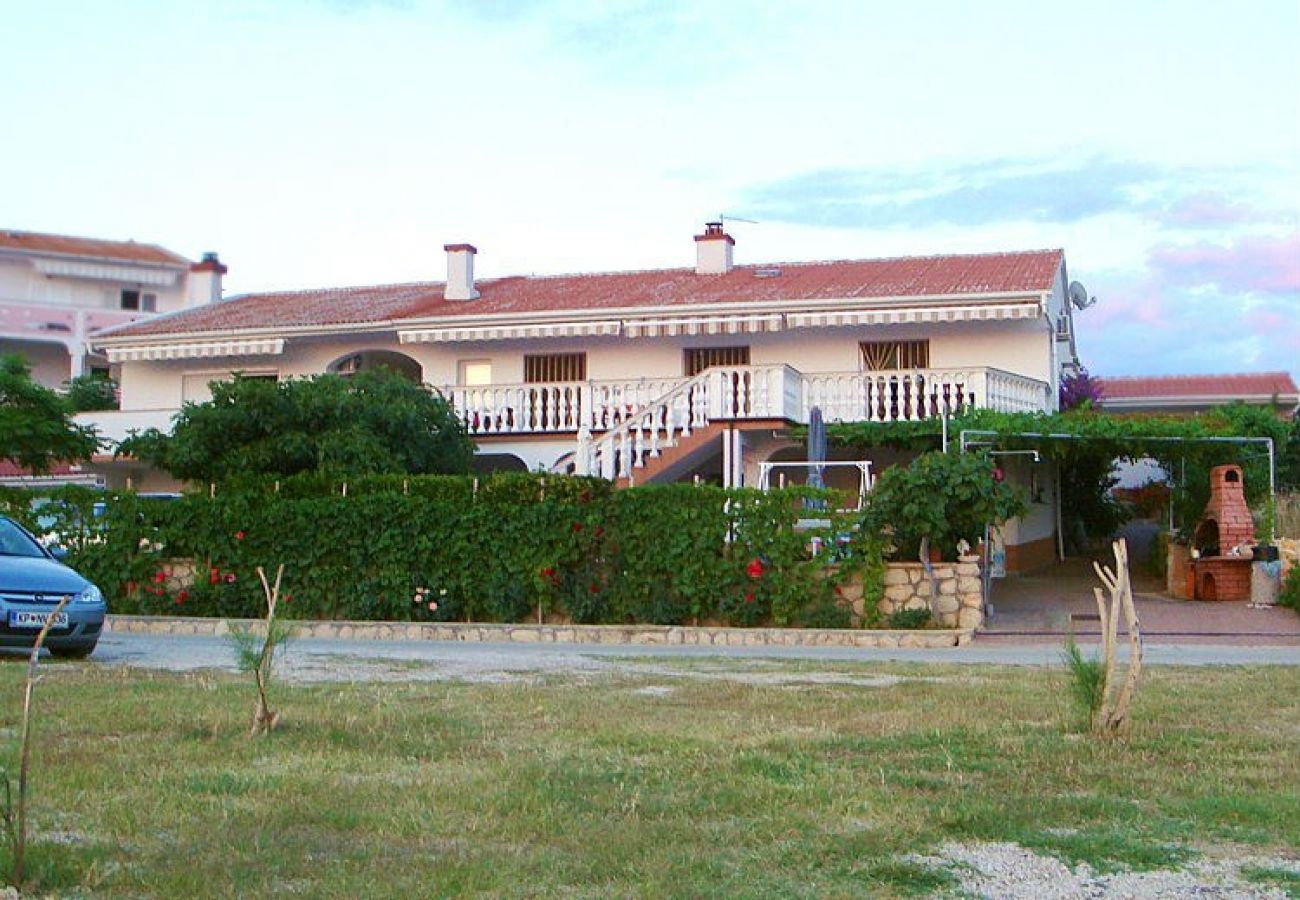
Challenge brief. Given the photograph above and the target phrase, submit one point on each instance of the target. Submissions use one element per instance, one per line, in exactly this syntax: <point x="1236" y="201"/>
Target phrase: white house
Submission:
<point x="56" y="291"/>
<point x="645" y="375"/>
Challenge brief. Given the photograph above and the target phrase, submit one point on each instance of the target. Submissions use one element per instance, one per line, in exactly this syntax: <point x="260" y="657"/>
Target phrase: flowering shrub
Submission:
<point x="507" y="548"/>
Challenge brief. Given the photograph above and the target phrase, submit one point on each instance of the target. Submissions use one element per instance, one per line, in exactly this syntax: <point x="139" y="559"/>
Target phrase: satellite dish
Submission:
<point x="1079" y="296"/>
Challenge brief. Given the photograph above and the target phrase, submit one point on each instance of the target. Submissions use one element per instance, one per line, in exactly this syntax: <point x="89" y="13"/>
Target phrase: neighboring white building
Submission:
<point x="56" y="291"/>
<point x="645" y="375"/>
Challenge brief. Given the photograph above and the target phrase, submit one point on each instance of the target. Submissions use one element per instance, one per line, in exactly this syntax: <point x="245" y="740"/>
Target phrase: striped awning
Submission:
<point x="196" y="350"/>
<point x="908" y="315"/>
<point x="508" y="332"/>
<point x="67" y="268"/>
<point x="702" y="325"/>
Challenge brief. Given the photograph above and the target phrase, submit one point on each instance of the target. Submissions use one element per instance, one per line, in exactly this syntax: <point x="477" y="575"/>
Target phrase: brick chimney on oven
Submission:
<point x="1226" y="522"/>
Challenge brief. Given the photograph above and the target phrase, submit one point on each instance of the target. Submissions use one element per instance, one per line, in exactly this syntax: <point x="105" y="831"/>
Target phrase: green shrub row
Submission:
<point x="505" y="548"/>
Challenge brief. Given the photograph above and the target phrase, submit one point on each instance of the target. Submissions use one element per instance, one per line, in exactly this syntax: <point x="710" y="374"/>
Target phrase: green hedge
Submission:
<point x="494" y="549"/>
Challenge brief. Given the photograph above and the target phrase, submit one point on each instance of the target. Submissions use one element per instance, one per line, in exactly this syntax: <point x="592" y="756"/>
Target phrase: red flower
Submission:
<point x="130" y="587"/>
<point x="182" y="596"/>
<point x="593" y="589"/>
<point x="288" y="598"/>
<point x="749" y="596"/>
<point x="755" y="568"/>
<point x="577" y="526"/>
<point x="213" y="576"/>
<point x="599" y="531"/>
<point x="159" y="577"/>
<point x="230" y="578"/>
<point x="998" y="475"/>
<point x="179" y="601"/>
<point x="239" y="535"/>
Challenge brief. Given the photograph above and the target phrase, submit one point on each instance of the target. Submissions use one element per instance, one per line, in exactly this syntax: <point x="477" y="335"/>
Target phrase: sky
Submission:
<point x="332" y="142"/>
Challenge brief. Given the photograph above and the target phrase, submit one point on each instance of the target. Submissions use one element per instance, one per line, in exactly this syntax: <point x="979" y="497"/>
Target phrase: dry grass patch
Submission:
<point x="606" y="788"/>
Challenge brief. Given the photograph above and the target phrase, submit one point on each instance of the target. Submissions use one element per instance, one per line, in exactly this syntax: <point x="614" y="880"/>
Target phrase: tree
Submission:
<point x="373" y="422"/>
<point x="36" y="427"/>
<point x="90" y="393"/>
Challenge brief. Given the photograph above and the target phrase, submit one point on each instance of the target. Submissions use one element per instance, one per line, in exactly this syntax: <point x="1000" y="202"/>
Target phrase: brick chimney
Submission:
<point x="204" y="282"/>
<point x="460" y="272"/>
<point x="713" y="250"/>
<point x="1226" y="522"/>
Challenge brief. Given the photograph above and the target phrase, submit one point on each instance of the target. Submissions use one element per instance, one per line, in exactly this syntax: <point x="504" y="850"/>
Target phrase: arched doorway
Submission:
<point x="364" y="360"/>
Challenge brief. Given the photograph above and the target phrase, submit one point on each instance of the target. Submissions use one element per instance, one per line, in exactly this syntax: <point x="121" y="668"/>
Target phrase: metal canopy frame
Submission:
<point x="964" y="442"/>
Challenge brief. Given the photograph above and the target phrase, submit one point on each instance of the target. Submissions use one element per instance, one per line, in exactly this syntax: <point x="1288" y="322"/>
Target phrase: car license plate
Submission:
<point x="20" y="618"/>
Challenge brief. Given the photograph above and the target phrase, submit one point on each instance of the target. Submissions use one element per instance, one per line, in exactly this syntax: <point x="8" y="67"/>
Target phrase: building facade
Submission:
<point x="698" y="372"/>
<point x="57" y="291"/>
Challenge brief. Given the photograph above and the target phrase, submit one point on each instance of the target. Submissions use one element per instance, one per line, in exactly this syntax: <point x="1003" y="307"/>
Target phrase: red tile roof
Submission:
<point x="1227" y="387"/>
<point x="128" y="251"/>
<point x="10" y="469"/>
<point x="930" y="276"/>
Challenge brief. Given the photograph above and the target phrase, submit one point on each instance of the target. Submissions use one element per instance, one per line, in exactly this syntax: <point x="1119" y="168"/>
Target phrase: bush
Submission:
<point x="945" y="497"/>
<point x="1290" y="593"/>
<point x="499" y="548"/>
<point x="908" y="619"/>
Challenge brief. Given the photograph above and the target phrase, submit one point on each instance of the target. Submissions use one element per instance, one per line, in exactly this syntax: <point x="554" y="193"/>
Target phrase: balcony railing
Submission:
<point x="744" y="392"/>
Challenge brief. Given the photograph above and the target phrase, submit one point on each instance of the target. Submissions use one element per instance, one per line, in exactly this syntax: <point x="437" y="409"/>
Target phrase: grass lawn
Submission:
<point x="149" y="785"/>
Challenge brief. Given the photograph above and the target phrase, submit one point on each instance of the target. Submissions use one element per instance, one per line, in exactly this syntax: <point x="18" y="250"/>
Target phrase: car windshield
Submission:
<point x="15" y="542"/>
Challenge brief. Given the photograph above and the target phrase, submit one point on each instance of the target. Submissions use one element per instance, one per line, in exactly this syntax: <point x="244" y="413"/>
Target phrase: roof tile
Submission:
<point x="929" y="276"/>
<point x="92" y="248"/>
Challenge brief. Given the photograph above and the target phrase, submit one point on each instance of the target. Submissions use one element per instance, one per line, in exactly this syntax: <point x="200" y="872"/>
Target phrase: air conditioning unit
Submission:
<point x="1062" y="327"/>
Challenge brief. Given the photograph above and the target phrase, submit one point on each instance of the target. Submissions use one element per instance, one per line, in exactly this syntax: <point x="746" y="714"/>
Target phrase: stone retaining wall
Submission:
<point x="559" y="634"/>
<point x="961" y="603"/>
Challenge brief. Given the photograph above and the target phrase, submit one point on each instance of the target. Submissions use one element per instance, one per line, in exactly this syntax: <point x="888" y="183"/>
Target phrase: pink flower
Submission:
<point x="433" y="605"/>
<point x="230" y="578"/>
<point x="239" y="535"/>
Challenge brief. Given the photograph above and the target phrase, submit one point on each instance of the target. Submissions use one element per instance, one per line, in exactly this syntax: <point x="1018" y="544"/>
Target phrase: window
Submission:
<point x="133" y="299"/>
<point x="475" y="372"/>
<point x="697" y="359"/>
<point x="880" y="356"/>
<point x="555" y="367"/>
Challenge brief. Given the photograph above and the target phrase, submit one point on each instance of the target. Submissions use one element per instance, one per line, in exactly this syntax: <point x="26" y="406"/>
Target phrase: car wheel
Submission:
<point x="72" y="652"/>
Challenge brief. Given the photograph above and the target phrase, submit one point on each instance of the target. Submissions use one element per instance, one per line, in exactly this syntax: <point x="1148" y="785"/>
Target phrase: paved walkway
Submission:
<point x="1050" y="604"/>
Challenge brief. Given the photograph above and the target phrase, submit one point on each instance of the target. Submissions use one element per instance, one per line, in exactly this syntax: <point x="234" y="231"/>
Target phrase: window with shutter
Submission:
<point x="697" y="359"/>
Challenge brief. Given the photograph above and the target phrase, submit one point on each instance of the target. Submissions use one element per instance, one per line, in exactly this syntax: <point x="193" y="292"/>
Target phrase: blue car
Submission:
<point x="32" y="582"/>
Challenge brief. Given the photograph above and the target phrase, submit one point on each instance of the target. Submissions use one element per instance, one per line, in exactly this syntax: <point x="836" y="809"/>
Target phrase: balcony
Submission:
<point x="738" y="393"/>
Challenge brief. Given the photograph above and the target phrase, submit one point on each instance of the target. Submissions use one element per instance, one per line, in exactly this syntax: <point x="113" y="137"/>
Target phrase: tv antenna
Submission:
<point x="724" y="219"/>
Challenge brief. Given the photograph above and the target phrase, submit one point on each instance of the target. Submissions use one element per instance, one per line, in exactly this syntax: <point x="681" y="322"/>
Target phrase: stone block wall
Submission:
<point x="961" y="600"/>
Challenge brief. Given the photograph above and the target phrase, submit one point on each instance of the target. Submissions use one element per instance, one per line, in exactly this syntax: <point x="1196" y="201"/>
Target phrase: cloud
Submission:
<point x="1251" y="265"/>
<point x="1208" y="209"/>
<point x="1198" y="308"/>
<point x="969" y="195"/>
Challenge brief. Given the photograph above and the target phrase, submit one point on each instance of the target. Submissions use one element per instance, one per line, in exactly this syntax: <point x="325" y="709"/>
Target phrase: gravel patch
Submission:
<point x="1011" y="872"/>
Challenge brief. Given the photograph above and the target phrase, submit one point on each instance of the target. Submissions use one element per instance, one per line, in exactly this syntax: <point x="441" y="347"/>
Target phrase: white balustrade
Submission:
<point x="622" y="424"/>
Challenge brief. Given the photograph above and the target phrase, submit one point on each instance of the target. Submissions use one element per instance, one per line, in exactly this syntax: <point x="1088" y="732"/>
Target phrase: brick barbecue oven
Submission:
<point x="1223" y="540"/>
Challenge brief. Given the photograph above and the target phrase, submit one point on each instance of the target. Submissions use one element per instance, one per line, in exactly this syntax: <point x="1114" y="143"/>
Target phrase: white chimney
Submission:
<point x="713" y="250"/>
<point x="204" y="282"/>
<point x="460" y="272"/>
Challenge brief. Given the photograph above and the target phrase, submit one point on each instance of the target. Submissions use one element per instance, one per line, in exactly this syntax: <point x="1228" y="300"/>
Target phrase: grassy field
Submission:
<point x="671" y="785"/>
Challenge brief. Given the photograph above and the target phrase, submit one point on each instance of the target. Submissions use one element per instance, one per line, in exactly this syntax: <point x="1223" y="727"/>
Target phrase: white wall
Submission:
<point x="20" y="281"/>
<point x="1021" y="347"/>
<point x="49" y="362"/>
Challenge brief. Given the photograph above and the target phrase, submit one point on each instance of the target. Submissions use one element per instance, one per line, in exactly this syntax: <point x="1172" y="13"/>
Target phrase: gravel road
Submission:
<point x="311" y="660"/>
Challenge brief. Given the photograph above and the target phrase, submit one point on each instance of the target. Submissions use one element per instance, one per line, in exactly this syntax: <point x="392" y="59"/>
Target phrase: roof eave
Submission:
<point x="583" y="314"/>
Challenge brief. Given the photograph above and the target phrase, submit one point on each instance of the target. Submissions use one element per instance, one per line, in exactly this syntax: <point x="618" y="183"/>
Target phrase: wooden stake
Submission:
<point x="20" y="840"/>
